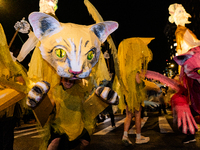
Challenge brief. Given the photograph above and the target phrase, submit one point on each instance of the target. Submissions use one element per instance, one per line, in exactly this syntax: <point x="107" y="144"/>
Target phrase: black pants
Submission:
<point x="7" y="126"/>
<point x="163" y="107"/>
<point x="112" y="117"/>
<point x="65" y="144"/>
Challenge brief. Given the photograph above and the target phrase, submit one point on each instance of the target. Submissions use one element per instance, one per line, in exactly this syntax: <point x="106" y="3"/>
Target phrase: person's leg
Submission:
<point x="164" y="108"/>
<point x="112" y="117"/>
<point x="57" y="141"/>
<point x="139" y="138"/>
<point x="54" y="141"/>
<point x="127" y="123"/>
<point x="54" y="144"/>
<point x="142" y="112"/>
<point x="84" y="144"/>
<point x="159" y="109"/>
<point x="138" y="121"/>
<point x="127" y="120"/>
<point x="85" y="140"/>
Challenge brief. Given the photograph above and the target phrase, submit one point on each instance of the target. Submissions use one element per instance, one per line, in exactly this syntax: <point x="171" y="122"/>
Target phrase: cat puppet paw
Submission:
<point x="185" y="120"/>
<point x="37" y="93"/>
<point x="107" y="95"/>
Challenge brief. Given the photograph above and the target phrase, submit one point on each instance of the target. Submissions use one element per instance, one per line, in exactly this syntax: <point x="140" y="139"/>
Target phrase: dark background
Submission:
<point x="142" y="18"/>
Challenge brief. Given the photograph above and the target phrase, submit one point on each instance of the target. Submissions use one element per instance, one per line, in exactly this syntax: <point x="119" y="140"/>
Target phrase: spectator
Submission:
<point x="161" y="97"/>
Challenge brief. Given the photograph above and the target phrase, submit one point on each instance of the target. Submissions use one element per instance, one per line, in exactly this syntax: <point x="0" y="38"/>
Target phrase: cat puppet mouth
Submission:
<point x="74" y="78"/>
<point x="75" y="73"/>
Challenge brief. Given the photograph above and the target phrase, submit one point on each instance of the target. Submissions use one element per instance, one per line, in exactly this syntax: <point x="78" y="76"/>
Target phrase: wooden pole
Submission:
<point x="13" y="38"/>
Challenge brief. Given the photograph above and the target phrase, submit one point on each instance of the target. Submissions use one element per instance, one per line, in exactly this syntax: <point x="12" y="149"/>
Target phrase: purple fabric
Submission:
<point x="194" y="89"/>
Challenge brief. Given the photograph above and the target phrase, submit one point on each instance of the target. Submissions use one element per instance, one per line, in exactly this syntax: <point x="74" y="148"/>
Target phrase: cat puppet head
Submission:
<point x="190" y="61"/>
<point x="71" y="49"/>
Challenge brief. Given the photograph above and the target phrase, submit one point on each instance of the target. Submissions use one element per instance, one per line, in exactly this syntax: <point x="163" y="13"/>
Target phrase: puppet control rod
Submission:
<point x="13" y="38"/>
<point x="20" y="26"/>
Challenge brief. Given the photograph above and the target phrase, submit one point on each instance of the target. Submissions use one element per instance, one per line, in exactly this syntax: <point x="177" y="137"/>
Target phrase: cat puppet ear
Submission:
<point x="103" y="29"/>
<point x="43" y="24"/>
<point x="180" y="59"/>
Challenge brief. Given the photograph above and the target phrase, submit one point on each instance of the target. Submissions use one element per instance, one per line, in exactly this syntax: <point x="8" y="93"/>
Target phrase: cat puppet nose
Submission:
<point x="75" y="72"/>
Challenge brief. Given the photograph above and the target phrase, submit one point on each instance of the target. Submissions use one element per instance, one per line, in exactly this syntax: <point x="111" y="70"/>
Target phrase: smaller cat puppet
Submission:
<point x="189" y="95"/>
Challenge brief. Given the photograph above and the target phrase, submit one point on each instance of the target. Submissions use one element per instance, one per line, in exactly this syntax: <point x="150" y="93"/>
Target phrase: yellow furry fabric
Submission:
<point x="70" y="117"/>
<point x="98" y="18"/>
<point x="9" y="71"/>
<point x="9" y="68"/>
<point x="133" y="55"/>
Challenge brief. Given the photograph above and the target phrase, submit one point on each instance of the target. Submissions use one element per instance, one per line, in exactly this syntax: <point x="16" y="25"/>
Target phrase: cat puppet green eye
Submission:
<point x="90" y="55"/>
<point x="60" y="52"/>
<point x="198" y="71"/>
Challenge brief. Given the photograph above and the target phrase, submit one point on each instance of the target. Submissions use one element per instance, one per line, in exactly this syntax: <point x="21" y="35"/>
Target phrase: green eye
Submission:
<point x="90" y="55"/>
<point x="60" y="52"/>
<point x="198" y="71"/>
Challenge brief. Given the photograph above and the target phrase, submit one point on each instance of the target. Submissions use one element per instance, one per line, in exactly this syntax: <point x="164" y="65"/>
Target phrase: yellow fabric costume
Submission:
<point x="73" y="113"/>
<point x="9" y="71"/>
<point x="133" y="55"/>
<point x="10" y="68"/>
<point x="76" y="108"/>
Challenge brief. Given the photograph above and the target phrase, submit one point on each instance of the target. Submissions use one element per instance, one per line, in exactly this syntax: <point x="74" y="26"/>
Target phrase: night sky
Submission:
<point x="142" y="18"/>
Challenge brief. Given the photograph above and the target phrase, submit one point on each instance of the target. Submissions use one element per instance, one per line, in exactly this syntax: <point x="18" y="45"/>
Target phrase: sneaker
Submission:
<point x="126" y="141"/>
<point x="114" y="127"/>
<point x="142" y="140"/>
<point x="189" y="139"/>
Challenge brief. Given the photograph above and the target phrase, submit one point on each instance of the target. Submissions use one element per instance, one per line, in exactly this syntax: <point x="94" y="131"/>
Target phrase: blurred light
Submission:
<point x="172" y="65"/>
<point x="175" y="44"/>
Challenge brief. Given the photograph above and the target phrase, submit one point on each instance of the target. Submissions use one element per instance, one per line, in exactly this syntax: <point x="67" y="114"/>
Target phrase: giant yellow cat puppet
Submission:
<point x="68" y="59"/>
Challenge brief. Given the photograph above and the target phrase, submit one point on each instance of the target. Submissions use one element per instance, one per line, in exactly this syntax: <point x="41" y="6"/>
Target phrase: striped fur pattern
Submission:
<point x="107" y="95"/>
<point x="36" y="94"/>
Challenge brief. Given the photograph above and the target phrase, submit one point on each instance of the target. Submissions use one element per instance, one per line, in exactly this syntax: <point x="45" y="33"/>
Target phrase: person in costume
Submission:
<point x="134" y="56"/>
<point x="162" y="101"/>
<point x="12" y="78"/>
<point x="68" y="57"/>
<point x="58" y="141"/>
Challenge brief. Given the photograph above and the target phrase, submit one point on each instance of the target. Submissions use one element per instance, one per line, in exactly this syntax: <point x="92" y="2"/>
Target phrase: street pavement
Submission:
<point x="163" y="134"/>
